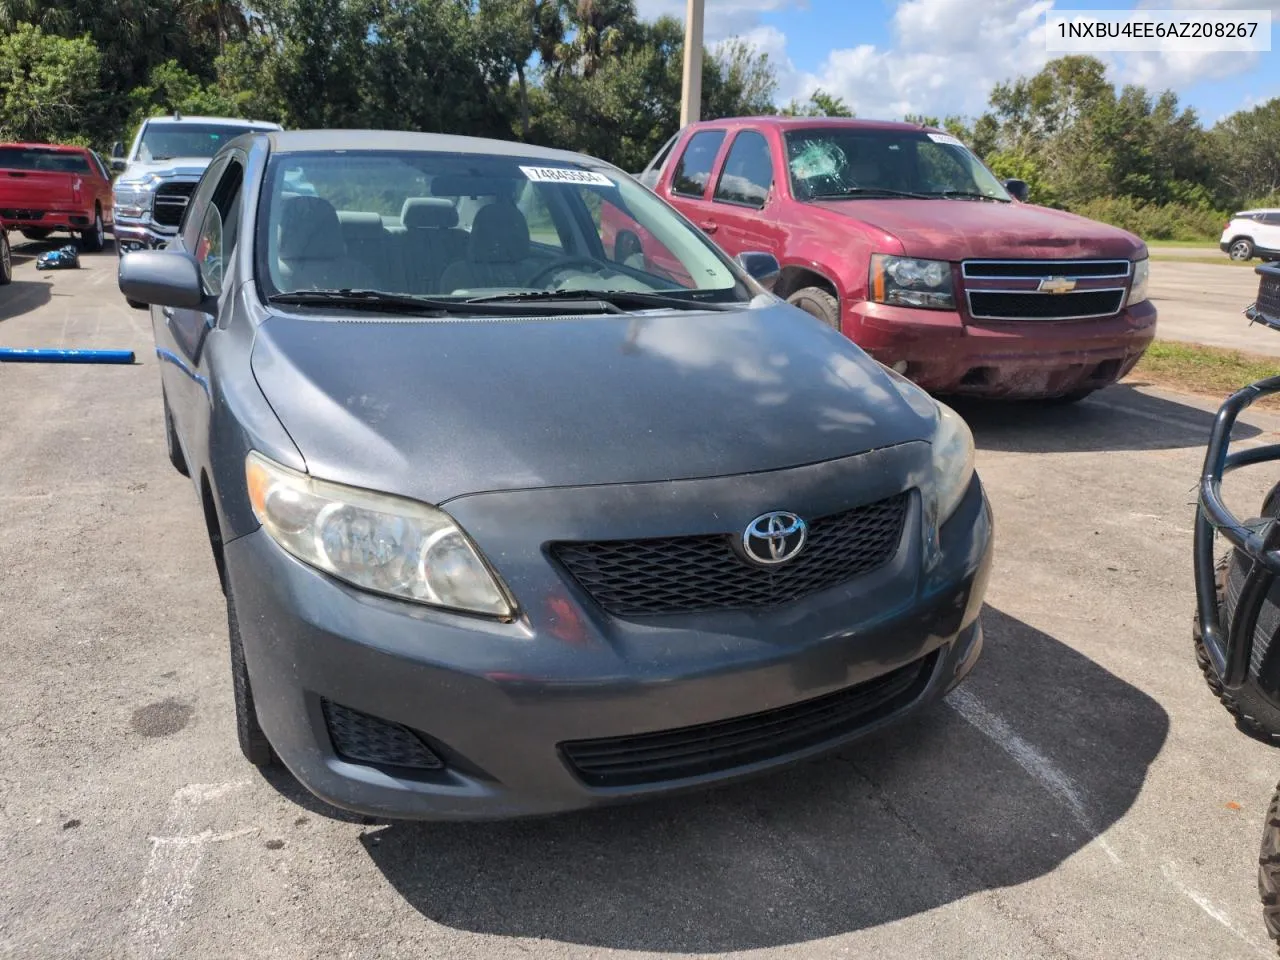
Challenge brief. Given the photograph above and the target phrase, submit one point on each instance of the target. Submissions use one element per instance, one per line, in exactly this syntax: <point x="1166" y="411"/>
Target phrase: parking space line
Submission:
<point x="1040" y="767"/>
<point x="168" y="881"/>
<point x="1170" y="871"/>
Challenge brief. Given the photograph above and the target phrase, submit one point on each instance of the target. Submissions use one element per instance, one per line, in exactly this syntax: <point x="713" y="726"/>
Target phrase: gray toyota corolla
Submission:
<point x="524" y="497"/>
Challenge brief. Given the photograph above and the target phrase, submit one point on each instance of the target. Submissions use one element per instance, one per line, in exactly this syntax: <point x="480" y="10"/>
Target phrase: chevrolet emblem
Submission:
<point x="1057" y="285"/>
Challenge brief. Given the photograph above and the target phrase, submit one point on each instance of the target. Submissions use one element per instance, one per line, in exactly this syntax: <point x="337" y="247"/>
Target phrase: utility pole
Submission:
<point x="691" y="102"/>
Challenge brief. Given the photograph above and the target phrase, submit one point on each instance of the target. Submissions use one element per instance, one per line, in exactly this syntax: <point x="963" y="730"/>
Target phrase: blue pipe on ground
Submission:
<point x="35" y="355"/>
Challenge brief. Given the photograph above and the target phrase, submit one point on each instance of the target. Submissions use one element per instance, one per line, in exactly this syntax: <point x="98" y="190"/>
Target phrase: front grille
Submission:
<point x="1026" y="305"/>
<point x="723" y="745"/>
<point x="1038" y="269"/>
<point x="171" y="202"/>
<point x="1269" y="294"/>
<point x="21" y="214"/>
<point x="362" y="738"/>
<point x="702" y="573"/>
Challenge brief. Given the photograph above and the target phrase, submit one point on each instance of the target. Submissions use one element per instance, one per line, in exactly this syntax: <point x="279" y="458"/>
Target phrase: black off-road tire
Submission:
<point x="6" y="259"/>
<point x="1253" y="713"/>
<point x="1269" y="868"/>
<point x="818" y="303"/>
<point x="93" y="239"/>
<point x="253" y="741"/>
<point x="171" y="441"/>
<point x="36" y="234"/>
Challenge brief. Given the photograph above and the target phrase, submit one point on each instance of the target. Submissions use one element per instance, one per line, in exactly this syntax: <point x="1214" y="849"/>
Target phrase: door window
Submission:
<point x="693" y="172"/>
<point x="748" y="171"/>
<point x="220" y="229"/>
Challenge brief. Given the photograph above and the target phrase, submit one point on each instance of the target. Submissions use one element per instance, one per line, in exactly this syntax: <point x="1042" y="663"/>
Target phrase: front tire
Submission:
<point x="171" y="441"/>
<point x="6" y="259"/>
<point x="1269" y="868"/>
<point x="1241" y="249"/>
<point x="1254" y="713"/>
<point x="818" y="303"/>
<point x="254" y="744"/>
<point x="95" y="238"/>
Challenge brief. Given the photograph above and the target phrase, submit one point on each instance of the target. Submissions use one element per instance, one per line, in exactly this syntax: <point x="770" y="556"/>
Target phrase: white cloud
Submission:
<point x="721" y="18"/>
<point x="945" y="55"/>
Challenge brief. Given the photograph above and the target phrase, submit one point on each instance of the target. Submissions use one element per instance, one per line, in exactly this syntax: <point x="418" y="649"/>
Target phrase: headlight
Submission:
<point x="952" y="461"/>
<point x="386" y="544"/>
<point x="133" y="199"/>
<point x="909" y="282"/>
<point x="1138" y="289"/>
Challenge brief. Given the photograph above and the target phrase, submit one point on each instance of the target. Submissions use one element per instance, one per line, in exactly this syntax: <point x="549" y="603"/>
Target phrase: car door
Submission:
<point x="688" y="186"/>
<point x="101" y="187"/>
<point x="1268" y="233"/>
<point x="209" y="233"/>
<point x="743" y="200"/>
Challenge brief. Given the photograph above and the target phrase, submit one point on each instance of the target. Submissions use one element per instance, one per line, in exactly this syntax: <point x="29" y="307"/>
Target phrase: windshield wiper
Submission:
<point x="619" y="300"/>
<point x="536" y="303"/>
<point x="850" y="192"/>
<point x="967" y="195"/>
<point x="163" y="156"/>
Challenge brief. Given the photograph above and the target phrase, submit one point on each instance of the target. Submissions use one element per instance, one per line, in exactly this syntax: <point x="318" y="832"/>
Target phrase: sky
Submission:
<point x="887" y="58"/>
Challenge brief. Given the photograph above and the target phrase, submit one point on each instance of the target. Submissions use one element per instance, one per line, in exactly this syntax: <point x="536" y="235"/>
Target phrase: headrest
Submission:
<point x="310" y="230"/>
<point x="359" y="223"/>
<point x="420" y="213"/>
<point x="499" y="234"/>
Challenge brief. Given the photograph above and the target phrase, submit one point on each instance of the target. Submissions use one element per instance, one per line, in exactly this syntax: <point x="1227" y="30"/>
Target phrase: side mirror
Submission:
<point x="117" y="151"/>
<point x="1019" y="189"/>
<point x="763" y="268"/>
<point x="164" y="278"/>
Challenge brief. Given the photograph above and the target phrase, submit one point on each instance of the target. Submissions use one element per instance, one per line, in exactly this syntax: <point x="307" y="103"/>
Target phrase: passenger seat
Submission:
<point x="369" y="244"/>
<point x="432" y="241"/>
<point x="311" y="254"/>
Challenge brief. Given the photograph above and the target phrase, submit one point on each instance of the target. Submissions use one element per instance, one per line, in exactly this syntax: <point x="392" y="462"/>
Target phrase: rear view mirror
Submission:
<point x="165" y="278"/>
<point x="763" y="268"/>
<point x="1018" y="189"/>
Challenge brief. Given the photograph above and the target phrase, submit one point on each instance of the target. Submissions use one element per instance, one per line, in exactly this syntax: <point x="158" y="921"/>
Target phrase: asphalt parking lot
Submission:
<point x="1203" y="303"/>
<point x="1082" y="796"/>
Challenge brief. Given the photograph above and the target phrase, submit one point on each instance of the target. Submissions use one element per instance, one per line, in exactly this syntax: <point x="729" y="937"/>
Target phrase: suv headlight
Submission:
<point x="952" y="461"/>
<point x="374" y="541"/>
<point x="908" y="282"/>
<point x="1138" y="288"/>
<point x="133" y="199"/>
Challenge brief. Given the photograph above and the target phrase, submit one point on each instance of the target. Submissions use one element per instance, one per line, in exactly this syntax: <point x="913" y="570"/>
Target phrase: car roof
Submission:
<point x="304" y="141"/>
<point x="790" y="123"/>
<point x="229" y="121"/>
<point x="59" y="147"/>
<point x="1245" y="213"/>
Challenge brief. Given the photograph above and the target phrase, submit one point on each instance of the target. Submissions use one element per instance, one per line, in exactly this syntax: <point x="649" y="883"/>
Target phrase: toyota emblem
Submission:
<point x="774" y="537"/>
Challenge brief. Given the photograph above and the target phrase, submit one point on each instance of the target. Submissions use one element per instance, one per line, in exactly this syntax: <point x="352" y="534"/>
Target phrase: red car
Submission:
<point x="901" y="238"/>
<point x="46" y="188"/>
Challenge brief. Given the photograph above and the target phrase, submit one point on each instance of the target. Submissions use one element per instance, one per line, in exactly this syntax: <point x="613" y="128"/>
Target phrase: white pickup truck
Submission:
<point x="160" y="172"/>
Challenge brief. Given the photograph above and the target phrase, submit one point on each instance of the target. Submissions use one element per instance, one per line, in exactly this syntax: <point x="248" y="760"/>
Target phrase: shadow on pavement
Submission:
<point x="23" y="296"/>
<point x="1117" y="418"/>
<point x="952" y="803"/>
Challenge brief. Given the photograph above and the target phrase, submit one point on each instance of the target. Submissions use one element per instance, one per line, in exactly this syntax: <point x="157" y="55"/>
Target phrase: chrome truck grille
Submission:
<point x="1040" y="290"/>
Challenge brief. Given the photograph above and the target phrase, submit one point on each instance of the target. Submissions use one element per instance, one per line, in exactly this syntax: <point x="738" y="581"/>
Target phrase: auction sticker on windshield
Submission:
<point x="566" y="175"/>
<point x="944" y="138"/>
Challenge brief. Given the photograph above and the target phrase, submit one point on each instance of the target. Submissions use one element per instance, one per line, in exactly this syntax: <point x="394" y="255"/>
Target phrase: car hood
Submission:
<point x="434" y="409"/>
<point x="964" y="229"/>
<point x="173" y="167"/>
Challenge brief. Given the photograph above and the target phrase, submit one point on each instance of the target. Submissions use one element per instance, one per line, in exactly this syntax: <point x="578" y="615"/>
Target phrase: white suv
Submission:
<point x="1252" y="233"/>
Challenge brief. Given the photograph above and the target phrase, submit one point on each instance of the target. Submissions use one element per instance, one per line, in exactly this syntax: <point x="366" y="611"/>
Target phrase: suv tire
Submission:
<point x="1241" y="249"/>
<point x="818" y="303"/>
<point x="6" y="259"/>
<point x="93" y="239"/>
<point x="253" y="741"/>
<point x="1269" y="868"/>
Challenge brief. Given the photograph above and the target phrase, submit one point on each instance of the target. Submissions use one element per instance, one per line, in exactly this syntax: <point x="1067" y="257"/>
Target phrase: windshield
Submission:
<point x="34" y="158"/>
<point x="466" y="226"/>
<point x="829" y="162"/>
<point x="160" y="141"/>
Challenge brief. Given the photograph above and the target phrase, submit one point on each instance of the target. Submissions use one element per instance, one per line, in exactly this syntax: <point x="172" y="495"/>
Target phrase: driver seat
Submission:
<point x="497" y="252"/>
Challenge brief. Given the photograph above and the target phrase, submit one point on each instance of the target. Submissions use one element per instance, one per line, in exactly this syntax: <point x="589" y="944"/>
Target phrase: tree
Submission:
<point x="47" y="85"/>
<point x="1246" y="160"/>
<point x="819" y="104"/>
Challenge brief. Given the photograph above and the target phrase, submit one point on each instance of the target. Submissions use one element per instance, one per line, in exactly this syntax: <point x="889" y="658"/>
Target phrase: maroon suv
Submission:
<point x="898" y="236"/>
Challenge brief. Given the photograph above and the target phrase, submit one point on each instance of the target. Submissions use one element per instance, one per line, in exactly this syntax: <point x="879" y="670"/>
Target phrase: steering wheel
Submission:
<point x="546" y="273"/>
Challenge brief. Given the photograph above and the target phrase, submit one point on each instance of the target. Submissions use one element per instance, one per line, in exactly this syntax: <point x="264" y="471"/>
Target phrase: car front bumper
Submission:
<point x="1005" y="359"/>
<point x="499" y="701"/>
<point x="132" y="234"/>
